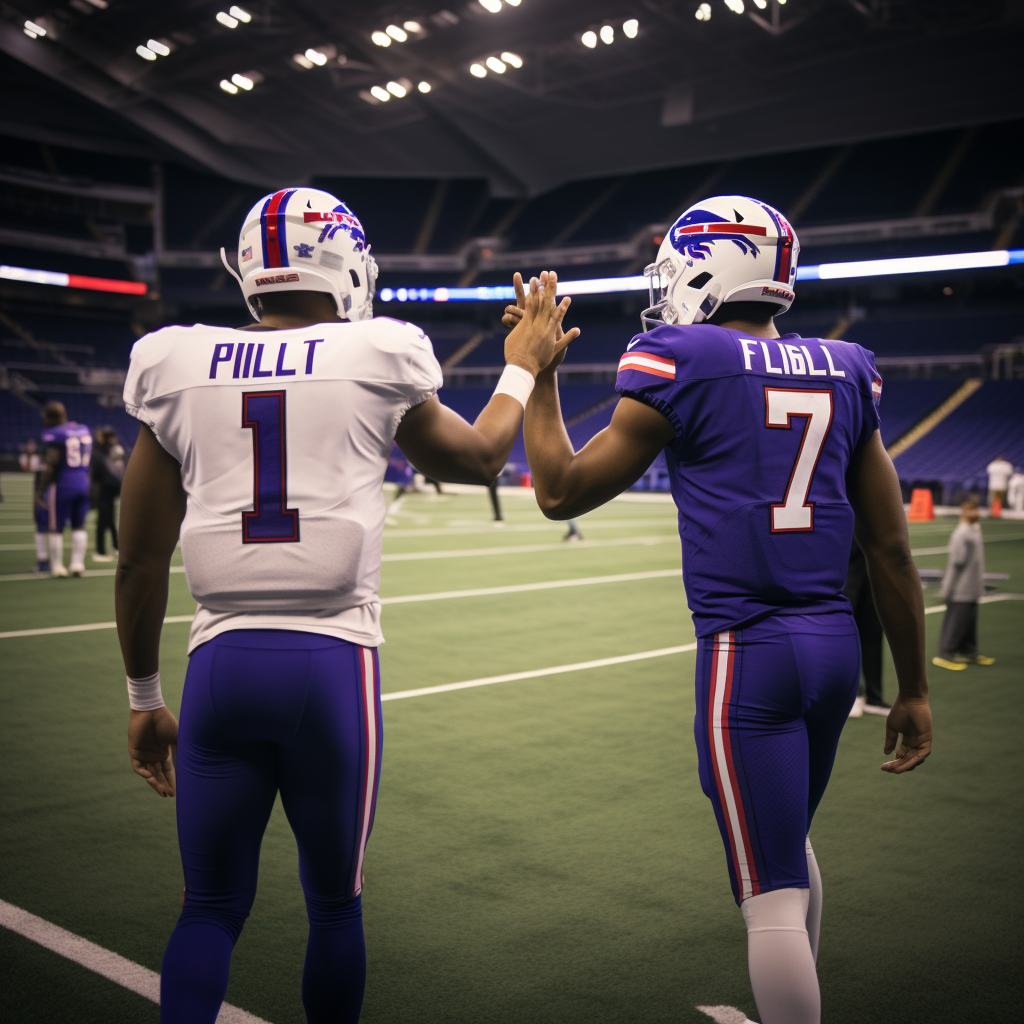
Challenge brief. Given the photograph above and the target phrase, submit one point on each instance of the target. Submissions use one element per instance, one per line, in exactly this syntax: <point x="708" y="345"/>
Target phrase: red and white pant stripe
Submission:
<point x="371" y="739"/>
<point x="729" y="793"/>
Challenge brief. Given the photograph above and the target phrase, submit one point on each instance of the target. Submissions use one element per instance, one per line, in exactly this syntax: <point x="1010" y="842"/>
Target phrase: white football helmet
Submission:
<point x="723" y="249"/>
<point x="302" y="239"/>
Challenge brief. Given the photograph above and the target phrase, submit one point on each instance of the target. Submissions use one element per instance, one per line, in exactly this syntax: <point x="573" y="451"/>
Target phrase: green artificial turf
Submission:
<point x="542" y="851"/>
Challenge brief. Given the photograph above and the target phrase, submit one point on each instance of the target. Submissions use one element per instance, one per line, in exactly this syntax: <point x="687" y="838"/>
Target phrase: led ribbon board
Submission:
<point x="93" y="284"/>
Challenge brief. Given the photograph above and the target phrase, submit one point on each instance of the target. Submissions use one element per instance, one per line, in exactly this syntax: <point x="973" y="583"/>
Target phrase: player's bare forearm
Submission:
<point x="152" y="508"/>
<point x="568" y="483"/>
<point x="442" y="445"/>
<point x="882" y="533"/>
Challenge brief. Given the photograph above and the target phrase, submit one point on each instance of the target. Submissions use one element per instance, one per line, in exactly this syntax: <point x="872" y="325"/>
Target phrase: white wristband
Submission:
<point x="144" y="694"/>
<point x="517" y="383"/>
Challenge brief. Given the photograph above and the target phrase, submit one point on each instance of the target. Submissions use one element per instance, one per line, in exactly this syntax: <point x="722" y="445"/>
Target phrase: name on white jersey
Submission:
<point x="241" y="360"/>
<point x="784" y="357"/>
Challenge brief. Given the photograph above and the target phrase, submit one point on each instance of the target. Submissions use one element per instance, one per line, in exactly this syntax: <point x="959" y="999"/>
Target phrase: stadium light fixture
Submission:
<point x="33" y="29"/>
<point x="607" y="35"/>
<point x="242" y="82"/>
<point x="228" y="87"/>
<point x="703" y="13"/>
<point x="412" y="26"/>
<point x="95" y="284"/>
<point x="589" y="39"/>
<point x="240" y="14"/>
<point x="396" y="89"/>
<point x="513" y="59"/>
<point x="145" y="52"/>
<point x="630" y="28"/>
<point x="497" y="66"/>
<point x="303" y="61"/>
<point x="424" y="87"/>
<point x="736" y="6"/>
<point x="761" y="4"/>
<point x="160" y="49"/>
<point x="398" y="34"/>
<point x="226" y="20"/>
<point x="316" y="57"/>
<point x="491" y="5"/>
<point x="381" y="38"/>
<point x="381" y="94"/>
<point x="513" y="3"/>
<point x="478" y="70"/>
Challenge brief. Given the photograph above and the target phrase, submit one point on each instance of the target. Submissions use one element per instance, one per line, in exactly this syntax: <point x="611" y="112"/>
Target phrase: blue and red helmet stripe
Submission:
<point x="272" y="229"/>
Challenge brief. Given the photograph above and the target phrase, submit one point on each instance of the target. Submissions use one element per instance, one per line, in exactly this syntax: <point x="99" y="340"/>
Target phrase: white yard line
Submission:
<point x="17" y="529"/>
<point x="443" y="595"/>
<point x="17" y="547"/>
<point x="725" y="1014"/>
<point x="422" y="556"/>
<point x="490" y="527"/>
<point x="945" y="550"/>
<point x="112" y="966"/>
<point x="511" y="677"/>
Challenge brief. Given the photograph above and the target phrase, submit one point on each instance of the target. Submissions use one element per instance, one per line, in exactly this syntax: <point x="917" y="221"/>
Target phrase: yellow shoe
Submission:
<point x="983" y="659"/>
<point x="953" y="666"/>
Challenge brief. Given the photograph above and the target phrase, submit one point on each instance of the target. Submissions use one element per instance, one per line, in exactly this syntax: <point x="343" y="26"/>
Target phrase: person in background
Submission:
<point x="30" y="462"/>
<point x="1015" y="491"/>
<point x="63" y="488"/>
<point x="858" y="592"/>
<point x="962" y="588"/>
<point x="106" y="472"/>
<point x="999" y="473"/>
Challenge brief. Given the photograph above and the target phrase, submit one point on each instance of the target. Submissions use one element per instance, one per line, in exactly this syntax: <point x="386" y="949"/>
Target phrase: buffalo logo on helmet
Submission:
<point x="697" y="230"/>
<point x="304" y="251"/>
<point x="340" y="218"/>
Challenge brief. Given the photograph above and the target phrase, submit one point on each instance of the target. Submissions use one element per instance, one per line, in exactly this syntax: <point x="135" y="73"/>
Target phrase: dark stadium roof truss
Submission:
<point x="308" y="92"/>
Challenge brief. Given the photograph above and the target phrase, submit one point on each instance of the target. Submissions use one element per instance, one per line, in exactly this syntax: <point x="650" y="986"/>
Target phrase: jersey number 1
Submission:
<point x="270" y="521"/>
<point x="796" y="514"/>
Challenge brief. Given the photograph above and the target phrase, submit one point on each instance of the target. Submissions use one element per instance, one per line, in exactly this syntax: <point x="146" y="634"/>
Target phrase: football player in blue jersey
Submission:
<point x="775" y="461"/>
<point x="63" y="490"/>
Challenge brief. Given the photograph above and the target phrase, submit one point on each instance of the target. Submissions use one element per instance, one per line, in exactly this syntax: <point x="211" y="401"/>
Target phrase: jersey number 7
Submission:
<point x="796" y="514"/>
<point x="270" y="521"/>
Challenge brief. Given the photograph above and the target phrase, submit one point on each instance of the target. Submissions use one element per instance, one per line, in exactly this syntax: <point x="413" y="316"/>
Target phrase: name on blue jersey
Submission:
<point x="787" y="358"/>
<point x="246" y="359"/>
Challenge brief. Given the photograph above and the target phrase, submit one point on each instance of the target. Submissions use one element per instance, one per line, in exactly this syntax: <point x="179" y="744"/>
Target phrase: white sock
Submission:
<point x="79" y="542"/>
<point x="814" y="902"/>
<point x="56" y="549"/>
<point x="42" y="548"/>
<point x="782" y="971"/>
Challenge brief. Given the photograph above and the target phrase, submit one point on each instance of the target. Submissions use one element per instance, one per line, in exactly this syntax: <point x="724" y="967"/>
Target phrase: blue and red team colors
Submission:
<point x="67" y="498"/>
<point x="269" y="711"/>
<point x="765" y="433"/>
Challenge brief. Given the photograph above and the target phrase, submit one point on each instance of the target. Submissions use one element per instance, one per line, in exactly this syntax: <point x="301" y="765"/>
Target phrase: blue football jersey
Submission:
<point x="75" y="444"/>
<point x="765" y="431"/>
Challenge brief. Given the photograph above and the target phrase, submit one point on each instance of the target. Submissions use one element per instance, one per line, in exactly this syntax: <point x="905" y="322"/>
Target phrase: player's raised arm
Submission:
<point x="152" y="508"/>
<point x="442" y="445"/>
<point x="881" y="530"/>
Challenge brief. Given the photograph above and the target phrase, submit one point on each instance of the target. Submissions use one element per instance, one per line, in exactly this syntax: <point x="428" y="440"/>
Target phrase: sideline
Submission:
<point x="511" y="677"/>
<point x="112" y="966"/>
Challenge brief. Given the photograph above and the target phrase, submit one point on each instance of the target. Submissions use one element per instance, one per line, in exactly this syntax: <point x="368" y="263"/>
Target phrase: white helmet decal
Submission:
<point x="303" y="239"/>
<point x="723" y="249"/>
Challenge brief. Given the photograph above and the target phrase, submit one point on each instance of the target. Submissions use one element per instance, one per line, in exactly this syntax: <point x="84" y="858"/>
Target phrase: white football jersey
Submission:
<point x="283" y="438"/>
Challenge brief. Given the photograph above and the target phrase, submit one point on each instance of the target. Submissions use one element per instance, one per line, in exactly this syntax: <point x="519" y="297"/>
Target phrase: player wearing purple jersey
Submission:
<point x="775" y="461"/>
<point x="63" y="489"/>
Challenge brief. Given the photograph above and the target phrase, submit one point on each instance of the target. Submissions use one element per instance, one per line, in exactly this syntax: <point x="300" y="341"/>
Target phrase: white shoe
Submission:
<point x="77" y="570"/>
<point x="58" y="569"/>
<point x="877" y="709"/>
<point x="102" y="558"/>
<point x="858" y="708"/>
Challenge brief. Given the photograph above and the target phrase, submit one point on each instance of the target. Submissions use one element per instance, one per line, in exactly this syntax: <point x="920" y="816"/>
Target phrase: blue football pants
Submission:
<point x="268" y="711"/>
<point x="772" y="700"/>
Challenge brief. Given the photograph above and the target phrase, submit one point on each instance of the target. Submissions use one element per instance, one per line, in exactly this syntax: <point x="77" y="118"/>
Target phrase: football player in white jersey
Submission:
<point x="265" y="449"/>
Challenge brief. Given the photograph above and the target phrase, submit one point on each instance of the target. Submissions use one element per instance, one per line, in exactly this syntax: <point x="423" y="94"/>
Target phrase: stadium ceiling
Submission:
<point x="301" y="88"/>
